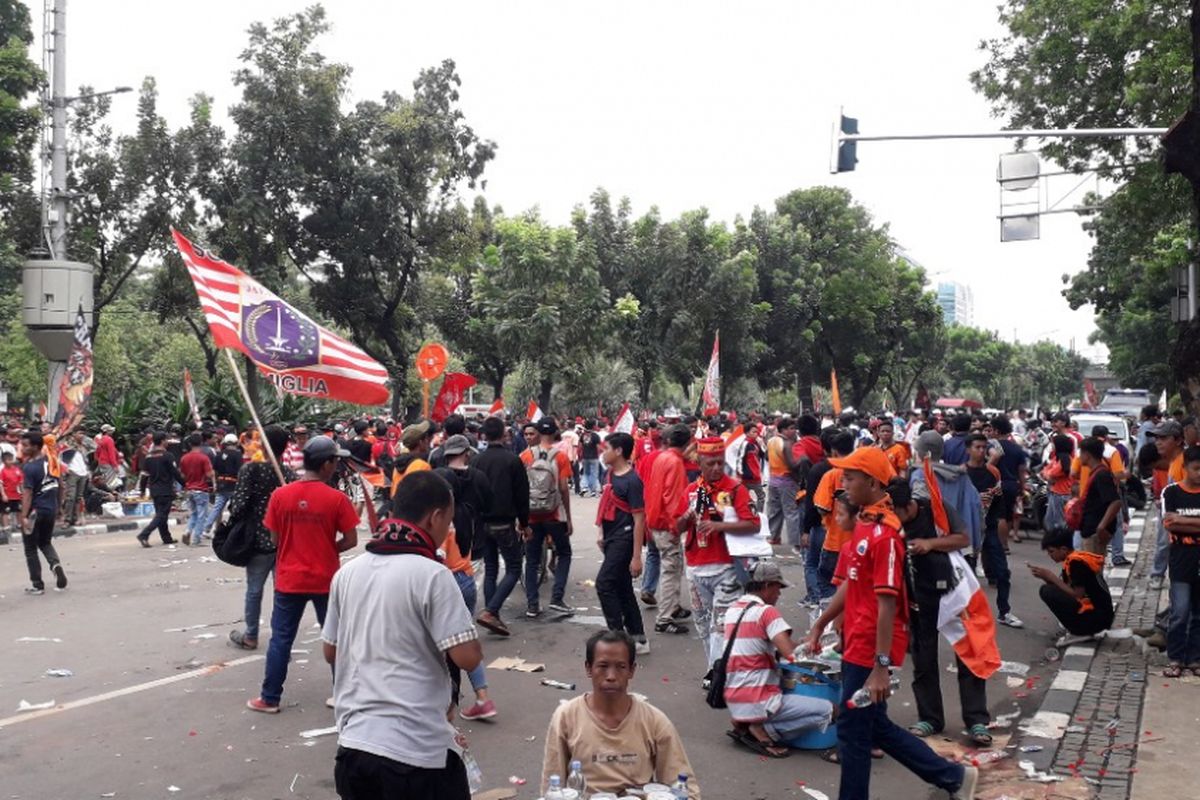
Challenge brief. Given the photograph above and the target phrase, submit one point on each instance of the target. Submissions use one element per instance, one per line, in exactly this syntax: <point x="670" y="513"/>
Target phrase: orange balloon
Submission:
<point x="431" y="361"/>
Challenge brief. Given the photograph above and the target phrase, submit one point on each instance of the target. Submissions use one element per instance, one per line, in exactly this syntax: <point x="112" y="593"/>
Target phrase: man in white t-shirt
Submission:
<point x="395" y="615"/>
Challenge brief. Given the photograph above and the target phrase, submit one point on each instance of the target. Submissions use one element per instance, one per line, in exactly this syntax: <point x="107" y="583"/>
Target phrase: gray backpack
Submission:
<point x="544" y="496"/>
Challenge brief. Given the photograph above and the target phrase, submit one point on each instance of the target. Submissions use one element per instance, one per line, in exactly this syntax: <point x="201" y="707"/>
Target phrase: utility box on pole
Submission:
<point x="53" y="293"/>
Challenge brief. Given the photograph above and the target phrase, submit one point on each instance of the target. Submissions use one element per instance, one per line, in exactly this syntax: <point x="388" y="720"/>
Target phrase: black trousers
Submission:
<point x="972" y="690"/>
<point x="162" y="514"/>
<point x="40" y="537"/>
<point x="1066" y="608"/>
<point x="614" y="585"/>
<point x="364" y="776"/>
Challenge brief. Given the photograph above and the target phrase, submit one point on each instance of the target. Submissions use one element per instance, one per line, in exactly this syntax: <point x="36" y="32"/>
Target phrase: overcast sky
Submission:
<point x="674" y="104"/>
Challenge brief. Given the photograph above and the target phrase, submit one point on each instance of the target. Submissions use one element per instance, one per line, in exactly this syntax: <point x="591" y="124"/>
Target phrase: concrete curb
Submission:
<point x="1056" y="715"/>
<point x="107" y="526"/>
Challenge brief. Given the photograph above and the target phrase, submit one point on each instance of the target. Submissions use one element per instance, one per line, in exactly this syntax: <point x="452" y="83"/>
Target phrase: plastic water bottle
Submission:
<point x="576" y="780"/>
<point x="474" y="773"/>
<point x="679" y="788"/>
<point x="554" y="788"/>
<point x="862" y="698"/>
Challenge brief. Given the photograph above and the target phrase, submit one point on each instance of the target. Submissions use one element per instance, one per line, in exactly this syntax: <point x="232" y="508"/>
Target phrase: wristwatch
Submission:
<point x="883" y="661"/>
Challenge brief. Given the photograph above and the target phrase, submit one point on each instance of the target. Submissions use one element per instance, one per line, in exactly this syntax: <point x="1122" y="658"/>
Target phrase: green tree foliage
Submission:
<point x="977" y="359"/>
<point x="19" y="78"/>
<point x="1090" y="63"/>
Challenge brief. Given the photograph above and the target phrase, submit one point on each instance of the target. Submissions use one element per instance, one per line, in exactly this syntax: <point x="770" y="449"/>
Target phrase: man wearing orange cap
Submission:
<point x="875" y="636"/>
<point x="716" y="505"/>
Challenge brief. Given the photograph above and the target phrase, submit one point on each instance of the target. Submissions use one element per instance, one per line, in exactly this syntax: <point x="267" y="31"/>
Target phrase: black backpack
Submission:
<point x="233" y="542"/>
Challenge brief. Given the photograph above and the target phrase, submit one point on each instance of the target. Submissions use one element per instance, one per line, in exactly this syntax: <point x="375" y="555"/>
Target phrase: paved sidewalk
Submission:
<point x="1170" y="719"/>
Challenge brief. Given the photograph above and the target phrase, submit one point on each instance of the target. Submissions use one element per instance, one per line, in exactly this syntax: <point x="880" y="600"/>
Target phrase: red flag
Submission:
<point x="497" y="407"/>
<point x="454" y="388"/>
<point x="836" y="400"/>
<point x="712" y="380"/>
<point x="534" y="412"/>
<point x="624" y="423"/>
<point x="292" y="352"/>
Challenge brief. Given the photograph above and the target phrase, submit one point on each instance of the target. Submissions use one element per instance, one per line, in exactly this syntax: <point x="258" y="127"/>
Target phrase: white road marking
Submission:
<point x="1071" y="680"/>
<point x="211" y="669"/>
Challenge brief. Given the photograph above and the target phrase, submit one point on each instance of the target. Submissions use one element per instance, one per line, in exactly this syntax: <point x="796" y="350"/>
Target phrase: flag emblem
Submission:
<point x="276" y="335"/>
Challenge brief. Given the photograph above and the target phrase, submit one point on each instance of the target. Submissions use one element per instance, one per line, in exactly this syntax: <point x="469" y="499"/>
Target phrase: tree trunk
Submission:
<point x="398" y="376"/>
<point x="804" y="392"/>
<point x="545" y="385"/>
<point x="645" y="379"/>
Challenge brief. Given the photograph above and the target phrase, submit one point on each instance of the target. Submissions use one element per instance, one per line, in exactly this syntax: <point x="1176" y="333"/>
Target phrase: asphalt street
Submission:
<point x="155" y="704"/>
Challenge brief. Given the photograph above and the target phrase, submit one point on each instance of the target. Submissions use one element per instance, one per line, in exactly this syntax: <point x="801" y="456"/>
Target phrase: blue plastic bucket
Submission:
<point x="810" y="683"/>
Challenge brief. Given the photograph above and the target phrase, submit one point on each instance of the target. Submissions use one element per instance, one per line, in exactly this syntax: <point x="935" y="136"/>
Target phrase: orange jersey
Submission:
<point x="835" y="537"/>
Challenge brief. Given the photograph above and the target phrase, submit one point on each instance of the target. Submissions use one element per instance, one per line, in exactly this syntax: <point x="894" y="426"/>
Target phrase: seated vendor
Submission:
<point x="622" y="741"/>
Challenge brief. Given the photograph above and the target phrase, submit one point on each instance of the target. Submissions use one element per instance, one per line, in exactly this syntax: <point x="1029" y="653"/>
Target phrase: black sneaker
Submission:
<point x="34" y="590"/>
<point x="61" y="583"/>
<point x="559" y="607"/>
<point x="669" y="627"/>
<point x="681" y="613"/>
<point x="533" y="611"/>
<point x="649" y="599"/>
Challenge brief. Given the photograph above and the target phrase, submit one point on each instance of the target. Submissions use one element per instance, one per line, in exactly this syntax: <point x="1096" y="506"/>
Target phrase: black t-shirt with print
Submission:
<point x="628" y="489"/>
<point x="1079" y="574"/>
<point x="589" y="443"/>
<point x="983" y="479"/>
<point x="1184" y="556"/>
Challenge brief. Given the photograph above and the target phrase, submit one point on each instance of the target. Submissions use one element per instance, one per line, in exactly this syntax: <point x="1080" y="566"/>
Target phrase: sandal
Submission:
<point x="978" y="734"/>
<point x="1174" y="671"/>
<point x="921" y="730"/>
<point x="768" y="748"/>
<point x="1193" y="668"/>
<point x="241" y="640"/>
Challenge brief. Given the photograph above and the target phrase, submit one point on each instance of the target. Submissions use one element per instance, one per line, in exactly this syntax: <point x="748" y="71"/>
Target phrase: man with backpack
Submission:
<point x="549" y="471"/>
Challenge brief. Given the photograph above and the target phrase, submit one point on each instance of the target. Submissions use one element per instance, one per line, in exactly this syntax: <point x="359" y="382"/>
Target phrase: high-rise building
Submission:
<point x="957" y="302"/>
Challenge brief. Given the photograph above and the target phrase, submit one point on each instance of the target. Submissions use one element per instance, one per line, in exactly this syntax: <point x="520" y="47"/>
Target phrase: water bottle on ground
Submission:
<point x="576" y="780"/>
<point x="474" y="773"/>
<point x="679" y="788"/>
<point x="862" y="698"/>
<point x="554" y="788"/>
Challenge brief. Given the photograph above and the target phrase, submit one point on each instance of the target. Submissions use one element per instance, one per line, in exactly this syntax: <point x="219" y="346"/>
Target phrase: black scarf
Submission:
<point x="397" y="537"/>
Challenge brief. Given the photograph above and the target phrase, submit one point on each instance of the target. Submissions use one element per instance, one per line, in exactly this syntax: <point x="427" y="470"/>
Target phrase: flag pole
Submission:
<point x="237" y="376"/>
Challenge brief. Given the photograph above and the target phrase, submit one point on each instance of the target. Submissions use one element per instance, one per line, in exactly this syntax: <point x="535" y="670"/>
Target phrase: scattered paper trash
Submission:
<point x="59" y="673"/>
<point x="1004" y="720"/>
<point x="1032" y="748"/>
<point x="1014" y="682"/>
<point x="814" y="794"/>
<point x="208" y="559"/>
<point x="200" y="636"/>
<point x="54" y="639"/>
<point x="1032" y="774"/>
<point x="109" y="794"/>
<point x="25" y="705"/>
<point x="1014" y="668"/>
<point x="518" y="664"/>
<point x="315" y="732"/>
<point x="1119" y="633"/>
<point x="515" y="781"/>
<point x="292" y="788"/>
<point x="174" y="788"/>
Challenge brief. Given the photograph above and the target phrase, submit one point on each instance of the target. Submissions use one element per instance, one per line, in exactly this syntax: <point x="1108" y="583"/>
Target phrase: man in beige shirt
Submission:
<point x="622" y="741"/>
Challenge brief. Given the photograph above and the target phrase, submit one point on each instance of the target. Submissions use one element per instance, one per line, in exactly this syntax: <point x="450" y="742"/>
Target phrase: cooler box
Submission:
<point x="810" y="683"/>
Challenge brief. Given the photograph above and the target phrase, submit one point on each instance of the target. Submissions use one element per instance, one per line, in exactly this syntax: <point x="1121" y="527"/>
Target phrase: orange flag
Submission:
<point x="837" y="396"/>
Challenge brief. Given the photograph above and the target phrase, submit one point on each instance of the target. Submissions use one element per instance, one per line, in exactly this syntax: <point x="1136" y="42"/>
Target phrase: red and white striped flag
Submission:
<point x="712" y="380"/>
<point x="294" y="353"/>
<point x="534" y="412"/>
<point x="497" y="408"/>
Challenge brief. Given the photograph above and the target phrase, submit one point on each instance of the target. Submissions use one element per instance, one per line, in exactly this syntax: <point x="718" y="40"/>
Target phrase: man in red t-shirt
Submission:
<point x="875" y="636"/>
<point x="199" y="480"/>
<point x="717" y="505"/>
<point x="305" y="518"/>
<point x="666" y="501"/>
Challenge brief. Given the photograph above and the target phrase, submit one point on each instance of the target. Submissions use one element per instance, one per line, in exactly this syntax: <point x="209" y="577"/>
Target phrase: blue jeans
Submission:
<point x="797" y="715"/>
<point x="557" y="531"/>
<point x="1162" y="547"/>
<point x="591" y="475"/>
<point x="652" y="567"/>
<point x="495" y="593"/>
<point x="1183" y="631"/>
<point x="197" y="514"/>
<point x="815" y="590"/>
<point x="863" y="728"/>
<point x="214" y="513"/>
<point x="285" y="623"/>
<point x="261" y="565"/>
<point x="995" y="566"/>
<point x="466" y="585"/>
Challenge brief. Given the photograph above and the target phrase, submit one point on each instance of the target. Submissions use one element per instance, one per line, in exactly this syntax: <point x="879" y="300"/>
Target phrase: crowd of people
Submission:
<point x="890" y="515"/>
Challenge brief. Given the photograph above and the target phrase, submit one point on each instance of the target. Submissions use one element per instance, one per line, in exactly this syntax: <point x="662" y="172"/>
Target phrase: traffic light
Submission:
<point x="846" y="152"/>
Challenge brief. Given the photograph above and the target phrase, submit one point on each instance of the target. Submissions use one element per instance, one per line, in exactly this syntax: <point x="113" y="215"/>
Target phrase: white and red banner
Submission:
<point x="453" y="392"/>
<point x="712" y="380"/>
<point x="189" y="391"/>
<point x="625" y="421"/>
<point x="291" y="350"/>
<point x="965" y="621"/>
<point x="75" y="388"/>
<point x="534" y="412"/>
<point x="735" y="449"/>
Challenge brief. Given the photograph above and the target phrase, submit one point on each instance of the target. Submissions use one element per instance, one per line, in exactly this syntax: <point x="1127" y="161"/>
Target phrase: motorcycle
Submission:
<point x="1034" y="500"/>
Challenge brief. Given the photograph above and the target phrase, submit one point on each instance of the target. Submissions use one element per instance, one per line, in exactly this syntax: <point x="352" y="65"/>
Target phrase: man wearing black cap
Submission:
<point x="549" y="472"/>
<point x="305" y="518"/>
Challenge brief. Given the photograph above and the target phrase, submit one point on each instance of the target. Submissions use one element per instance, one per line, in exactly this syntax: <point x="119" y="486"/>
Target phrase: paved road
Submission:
<point x="151" y="707"/>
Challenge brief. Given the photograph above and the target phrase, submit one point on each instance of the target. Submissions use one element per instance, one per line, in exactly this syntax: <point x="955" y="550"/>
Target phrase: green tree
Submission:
<point x="978" y="360"/>
<point x="19" y="78"/>
<point x="385" y="206"/>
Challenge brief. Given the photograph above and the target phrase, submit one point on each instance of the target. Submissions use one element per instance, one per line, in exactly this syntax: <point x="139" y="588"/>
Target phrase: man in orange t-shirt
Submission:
<point x="666" y="501"/>
<point x="554" y="521"/>
<point x="839" y="447"/>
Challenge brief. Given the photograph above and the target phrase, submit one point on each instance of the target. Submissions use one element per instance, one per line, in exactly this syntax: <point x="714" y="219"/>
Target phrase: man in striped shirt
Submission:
<point x="765" y="718"/>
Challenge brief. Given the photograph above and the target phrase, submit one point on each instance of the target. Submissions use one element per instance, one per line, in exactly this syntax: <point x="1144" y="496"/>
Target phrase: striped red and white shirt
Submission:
<point x="293" y="458"/>
<point x="752" y="674"/>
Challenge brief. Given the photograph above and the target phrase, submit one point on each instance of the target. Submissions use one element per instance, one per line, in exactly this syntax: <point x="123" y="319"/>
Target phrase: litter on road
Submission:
<point x="1032" y="774"/>
<point x="516" y="664"/>
<point x="1014" y="668"/>
<point x="313" y="733"/>
<point x="25" y="705"/>
<point x="59" y="673"/>
<point x="55" y="639"/>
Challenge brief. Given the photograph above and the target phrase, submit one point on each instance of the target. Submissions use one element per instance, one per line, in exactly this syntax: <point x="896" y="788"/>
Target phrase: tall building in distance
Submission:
<point x="957" y="302"/>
